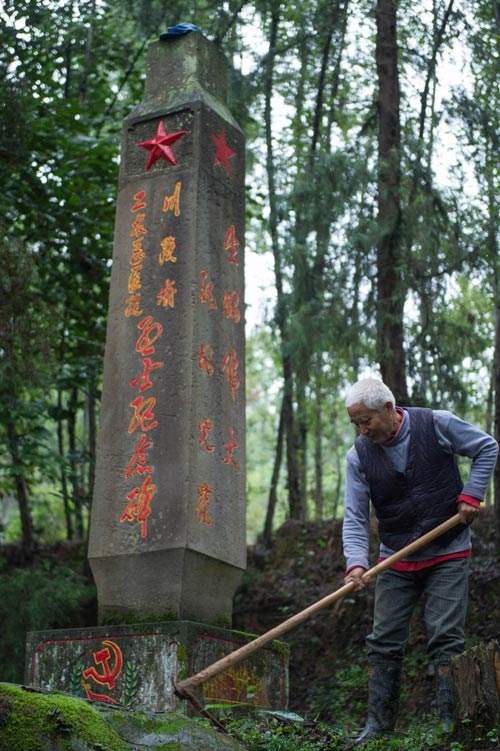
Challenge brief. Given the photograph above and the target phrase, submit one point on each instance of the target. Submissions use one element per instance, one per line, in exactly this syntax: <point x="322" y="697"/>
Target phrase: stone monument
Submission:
<point x="168" y="518"/>
<point x="167" y="535"/>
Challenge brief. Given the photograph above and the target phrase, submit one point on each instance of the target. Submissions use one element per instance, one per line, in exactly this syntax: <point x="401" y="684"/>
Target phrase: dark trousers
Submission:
<point x="444" y="588"/>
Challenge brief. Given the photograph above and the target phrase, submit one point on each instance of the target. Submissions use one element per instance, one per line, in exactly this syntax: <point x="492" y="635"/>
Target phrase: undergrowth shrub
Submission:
<point x="36" y="598"/>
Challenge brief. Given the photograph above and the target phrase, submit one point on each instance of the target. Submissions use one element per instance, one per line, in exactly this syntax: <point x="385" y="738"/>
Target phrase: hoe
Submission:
<point x="189" y="688"/>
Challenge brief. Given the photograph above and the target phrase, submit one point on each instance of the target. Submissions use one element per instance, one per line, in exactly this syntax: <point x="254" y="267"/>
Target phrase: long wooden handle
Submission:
<point x="242" y="653"/>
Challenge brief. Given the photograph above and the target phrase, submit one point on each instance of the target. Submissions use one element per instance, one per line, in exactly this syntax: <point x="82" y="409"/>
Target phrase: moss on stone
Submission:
<point x="159" y="723"/>
<point x="35" y="719"/>
<point x="222" y="620"/>
<point x="131" y="619"/>
<point x="280" y="647"/>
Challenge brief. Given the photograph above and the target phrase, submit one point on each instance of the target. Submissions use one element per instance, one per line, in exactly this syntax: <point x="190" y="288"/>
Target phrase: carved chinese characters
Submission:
<point x="143" y="421"/>
<point x="169" y="491"/>
<point x="231" y="245"/>
<point x="219" y="298"/>
<point x="137" y="233"/>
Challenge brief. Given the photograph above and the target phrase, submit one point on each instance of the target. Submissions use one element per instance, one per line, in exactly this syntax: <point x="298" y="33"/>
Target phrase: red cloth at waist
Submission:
<point x="419" y="565"/>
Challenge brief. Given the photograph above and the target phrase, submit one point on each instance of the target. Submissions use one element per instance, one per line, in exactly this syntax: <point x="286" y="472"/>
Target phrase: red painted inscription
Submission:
<point x="204" y="428"/>
<point x="138" y="463"/>
<point x="206" y="359"/>
<point x="207" y="291"/>
<point x="137" y="233"/>
<point x="167" y="251"/>
<point x="139" y="201"/>
<point x="139" y="505"/>
<point x="231" y="306"/>
<point x="173" y="202"/>
<point x="151" y="331"/>
<point x="229" y="366"/>
<point x="231" y="245"/>
<point x="143" y="417"/>
<point x="143" y="382"/>
<point x="230" y="447"/>
<point x="203" y="501"/>
<point x="166" y="295"/>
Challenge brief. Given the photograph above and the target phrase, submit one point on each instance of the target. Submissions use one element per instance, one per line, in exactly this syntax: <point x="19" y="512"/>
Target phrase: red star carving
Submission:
<point x="159" y="146"/>
<point x="223" y="152"/>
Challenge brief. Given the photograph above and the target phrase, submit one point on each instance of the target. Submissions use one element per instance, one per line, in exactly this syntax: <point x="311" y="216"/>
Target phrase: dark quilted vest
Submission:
<point x="411" y="503"/>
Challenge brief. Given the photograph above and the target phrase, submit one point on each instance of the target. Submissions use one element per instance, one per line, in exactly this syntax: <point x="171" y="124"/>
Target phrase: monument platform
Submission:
<point x="136" y="665"/>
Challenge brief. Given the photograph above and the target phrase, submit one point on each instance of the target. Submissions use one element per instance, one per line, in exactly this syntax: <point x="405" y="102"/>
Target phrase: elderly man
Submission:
<point x="403" y="461"/>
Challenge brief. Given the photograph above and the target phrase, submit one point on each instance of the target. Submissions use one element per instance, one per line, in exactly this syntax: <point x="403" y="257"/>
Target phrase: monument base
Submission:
<point x="175" y="583"/>
<point x="136" y="665"/>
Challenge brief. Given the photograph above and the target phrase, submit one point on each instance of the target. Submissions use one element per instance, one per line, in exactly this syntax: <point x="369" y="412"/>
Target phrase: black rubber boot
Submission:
<point x="384" y="679"/>
<point x="444" y="697"/>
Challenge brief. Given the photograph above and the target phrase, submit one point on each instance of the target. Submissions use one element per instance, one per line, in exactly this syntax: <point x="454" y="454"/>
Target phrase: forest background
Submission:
<point x="371" y="247"/>
<point x="371" y="219"/>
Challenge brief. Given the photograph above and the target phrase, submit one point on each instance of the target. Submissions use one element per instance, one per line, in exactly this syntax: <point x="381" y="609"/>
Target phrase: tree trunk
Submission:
<point x="73" y="464"/>
<point x="309" y="277"/>
<point x="62" y="459"/>
<point x="301" y="436"/>
<point x="28" y="540"/>
<point x="336" y="497"/>
<point x="300" y="359"/>
<point x="325" y="59"/>
<point x="390" y="289"/>
<point x="476" y="681"/>
<point x="267" y="532"/>
<point x="496" y="475"/>
<point x="82" y="89"/>
<point x="336" y="73"/>
<point x="90" y="405"/>
<point x="495" y="266"/>
<point x="318" y="449"/>
<point x="294" y="496"/>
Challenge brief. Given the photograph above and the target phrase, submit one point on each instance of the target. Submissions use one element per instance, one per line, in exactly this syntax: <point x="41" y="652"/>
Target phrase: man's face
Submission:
<point x="376" y="424"/>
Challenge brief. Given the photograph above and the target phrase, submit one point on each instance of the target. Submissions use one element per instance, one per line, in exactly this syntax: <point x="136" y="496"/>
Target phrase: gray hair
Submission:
<point x="372" y="392"/>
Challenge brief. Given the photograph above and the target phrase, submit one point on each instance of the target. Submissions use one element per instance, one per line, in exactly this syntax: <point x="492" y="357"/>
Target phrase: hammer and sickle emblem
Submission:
<point x="102" y="658"/>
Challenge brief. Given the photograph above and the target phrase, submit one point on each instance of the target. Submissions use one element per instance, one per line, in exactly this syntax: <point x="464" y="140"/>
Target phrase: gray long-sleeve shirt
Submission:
<point x="455" y="436"/>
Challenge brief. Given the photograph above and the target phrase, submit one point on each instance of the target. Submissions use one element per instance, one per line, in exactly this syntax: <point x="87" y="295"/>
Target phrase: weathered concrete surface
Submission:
<point x="136" y="666"/>
<point x="167" y="530"/>
<point x="55" y="722"/>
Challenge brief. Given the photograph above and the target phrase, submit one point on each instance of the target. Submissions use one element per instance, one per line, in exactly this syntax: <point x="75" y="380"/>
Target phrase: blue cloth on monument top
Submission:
<point x="178" y="30"/>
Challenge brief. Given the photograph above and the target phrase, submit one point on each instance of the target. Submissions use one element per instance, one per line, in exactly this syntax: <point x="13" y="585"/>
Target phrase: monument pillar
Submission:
<point x="167" y="534"/>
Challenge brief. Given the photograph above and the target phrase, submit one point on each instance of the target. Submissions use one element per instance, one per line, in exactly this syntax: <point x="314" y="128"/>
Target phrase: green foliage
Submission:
<point x="32" y="599"/>
<point x="76" y="687"/>
<point x="272" y="734"/>
<point x="131" y="683"/>
<point x="275" y="735"/>
<point x="342" y="696"/>
<point x="70" y="71"/>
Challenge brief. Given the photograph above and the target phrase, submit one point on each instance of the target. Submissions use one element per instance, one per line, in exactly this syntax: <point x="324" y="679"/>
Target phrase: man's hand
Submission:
<point x="355" y="575"/>
<point x="467" y="513"/>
